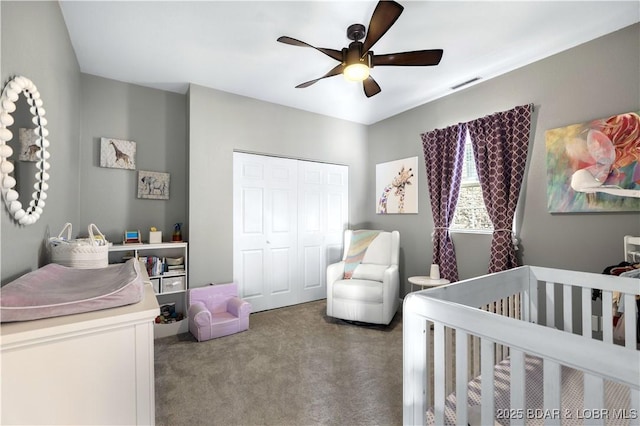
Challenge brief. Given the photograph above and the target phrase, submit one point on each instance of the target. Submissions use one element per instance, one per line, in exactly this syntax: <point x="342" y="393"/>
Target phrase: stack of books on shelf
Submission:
<point x="159" y="266"/>
<point x="174" y="265"/>
<point x="174" y="269"/>
<point x="155" y="265"/>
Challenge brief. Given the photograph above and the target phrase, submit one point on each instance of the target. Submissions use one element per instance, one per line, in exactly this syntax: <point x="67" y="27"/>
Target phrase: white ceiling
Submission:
<point x="231" y="45"/>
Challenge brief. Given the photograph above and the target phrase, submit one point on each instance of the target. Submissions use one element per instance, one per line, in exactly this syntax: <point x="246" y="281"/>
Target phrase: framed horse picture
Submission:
<point x="117" y="153"/>
<point x="153" y="185"/>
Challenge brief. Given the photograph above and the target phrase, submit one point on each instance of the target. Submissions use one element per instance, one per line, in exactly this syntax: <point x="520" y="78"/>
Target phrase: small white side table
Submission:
<point x="424" y="281"/>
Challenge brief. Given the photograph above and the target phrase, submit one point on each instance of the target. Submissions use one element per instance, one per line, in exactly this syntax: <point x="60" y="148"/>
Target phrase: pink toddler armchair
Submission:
<point x="216" y="311"/>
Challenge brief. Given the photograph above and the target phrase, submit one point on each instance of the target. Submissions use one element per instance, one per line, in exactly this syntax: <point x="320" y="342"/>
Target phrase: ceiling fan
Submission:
<point x="357" y="59"/>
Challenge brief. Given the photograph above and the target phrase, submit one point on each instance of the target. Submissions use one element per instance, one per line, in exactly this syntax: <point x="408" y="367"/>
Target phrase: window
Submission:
<point x="471" y="214"/>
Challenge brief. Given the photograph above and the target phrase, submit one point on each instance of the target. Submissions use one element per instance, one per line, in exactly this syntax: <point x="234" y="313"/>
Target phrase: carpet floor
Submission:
<point x="294" y="366"/>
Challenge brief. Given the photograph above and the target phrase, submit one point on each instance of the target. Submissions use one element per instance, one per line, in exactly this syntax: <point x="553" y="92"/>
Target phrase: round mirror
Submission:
<point x="31" y="147"/>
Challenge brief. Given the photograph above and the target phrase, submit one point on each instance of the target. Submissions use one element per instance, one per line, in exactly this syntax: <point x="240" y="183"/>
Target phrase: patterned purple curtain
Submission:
<point x="443" y="154"/>
<point x="500" y="145"/>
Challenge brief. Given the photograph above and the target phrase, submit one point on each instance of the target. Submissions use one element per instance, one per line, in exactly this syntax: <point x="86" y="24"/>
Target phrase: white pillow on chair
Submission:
<point x="369" y="271"/>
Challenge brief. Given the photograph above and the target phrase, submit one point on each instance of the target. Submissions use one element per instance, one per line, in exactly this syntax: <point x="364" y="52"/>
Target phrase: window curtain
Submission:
<point x="500" y="146"/>
<point x="443" y="154"/>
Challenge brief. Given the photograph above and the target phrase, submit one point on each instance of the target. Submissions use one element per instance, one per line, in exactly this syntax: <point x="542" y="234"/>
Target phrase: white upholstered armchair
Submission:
<point x="370" y="289"/>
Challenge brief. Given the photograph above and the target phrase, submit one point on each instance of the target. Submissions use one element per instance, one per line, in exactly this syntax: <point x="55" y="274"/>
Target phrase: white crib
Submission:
<point x="541" y="312"/>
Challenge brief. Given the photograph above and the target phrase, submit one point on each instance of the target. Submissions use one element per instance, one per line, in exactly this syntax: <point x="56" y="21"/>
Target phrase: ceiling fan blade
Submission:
<point x="370" y="87"/>
<point x="384" y="16"/>
<point x="415" y="58"/>
<point x="334" y="71"/>
<point x="332" y="53"/>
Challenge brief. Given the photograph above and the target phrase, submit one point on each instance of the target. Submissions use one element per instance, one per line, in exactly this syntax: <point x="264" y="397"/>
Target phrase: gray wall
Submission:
<point x="220" y="123"/>
<point x="35" y="44"/>
<point x="157" y="121"/>
<point x="591" y="81"/>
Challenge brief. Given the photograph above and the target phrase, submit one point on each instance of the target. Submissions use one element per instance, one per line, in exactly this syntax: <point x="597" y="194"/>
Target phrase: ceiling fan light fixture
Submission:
<point x="356" y="72"/>
<point x="356" y="61"/>
<point x="356" y="67"/>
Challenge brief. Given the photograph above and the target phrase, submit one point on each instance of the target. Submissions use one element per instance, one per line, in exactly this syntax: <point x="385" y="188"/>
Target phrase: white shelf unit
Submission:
<point x="632" y="249"/>
<point x="169" y="287"/>
<point x="169" y="282"/>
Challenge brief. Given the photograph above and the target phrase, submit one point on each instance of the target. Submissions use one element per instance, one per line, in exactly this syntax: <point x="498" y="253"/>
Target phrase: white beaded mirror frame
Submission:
<point x="15" y="86"/>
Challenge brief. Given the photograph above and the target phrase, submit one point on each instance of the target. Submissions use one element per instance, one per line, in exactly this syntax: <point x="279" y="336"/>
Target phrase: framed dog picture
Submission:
<point x="153" y="185"/>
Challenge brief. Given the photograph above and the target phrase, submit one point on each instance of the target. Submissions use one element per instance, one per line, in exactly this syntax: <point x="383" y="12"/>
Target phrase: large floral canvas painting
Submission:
<point x="594" y="166"/>
<point x="397" y="186"/>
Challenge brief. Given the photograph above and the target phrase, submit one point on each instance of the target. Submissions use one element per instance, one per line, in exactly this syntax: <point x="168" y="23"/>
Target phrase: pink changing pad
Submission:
<point x="56" y="290"/>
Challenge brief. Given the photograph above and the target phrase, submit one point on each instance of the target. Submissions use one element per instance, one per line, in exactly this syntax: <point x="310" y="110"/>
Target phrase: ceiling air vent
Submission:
<point x="457" y="86"/>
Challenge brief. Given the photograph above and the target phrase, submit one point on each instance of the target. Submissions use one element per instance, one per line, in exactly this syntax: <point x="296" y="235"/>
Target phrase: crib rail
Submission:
<point x="455" y="307"/>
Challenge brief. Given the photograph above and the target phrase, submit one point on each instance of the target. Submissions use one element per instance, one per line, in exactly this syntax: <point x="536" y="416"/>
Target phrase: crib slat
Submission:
<point x="448" y="334"/>
<point x="567" y="313"/>
<point x="593" y="396"/>
<point x="607" y="316"/>
<point x="517" y="386"/>
<point x="462" y="377"/>
<point x="476" y="356"/>
<point x="531" y="303"/>
<point x="505" y="312"/>
<point x="552" y="390"/>
<point x="486" y="382"/>
<point x="438" y="372"/>
<point x="586" y="312"/>
<point x="630" y="320"/>
<point x="550" y="306"/>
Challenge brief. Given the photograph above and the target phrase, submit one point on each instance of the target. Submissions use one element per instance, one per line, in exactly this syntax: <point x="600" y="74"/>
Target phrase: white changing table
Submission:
<point x="90" y="368"/>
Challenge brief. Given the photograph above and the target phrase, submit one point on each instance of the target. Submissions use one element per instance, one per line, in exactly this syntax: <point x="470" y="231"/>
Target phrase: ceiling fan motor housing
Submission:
<point x="353" y="55"/>
<point x="356" y="32"/>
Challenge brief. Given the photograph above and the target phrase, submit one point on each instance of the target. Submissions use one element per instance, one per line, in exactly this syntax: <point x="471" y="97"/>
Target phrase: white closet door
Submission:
<point x="322" y="218"/>
<point x="288" y="221"/>
<point x="265" y="235"/>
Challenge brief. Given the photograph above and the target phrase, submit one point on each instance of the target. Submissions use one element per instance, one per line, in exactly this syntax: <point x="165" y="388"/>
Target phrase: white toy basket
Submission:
<point x="81" y="253"/>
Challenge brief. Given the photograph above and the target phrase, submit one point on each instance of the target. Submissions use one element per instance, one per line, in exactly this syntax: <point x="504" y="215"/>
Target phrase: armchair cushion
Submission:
<point x="362" y="290"/>
<point x="370" y="271"/>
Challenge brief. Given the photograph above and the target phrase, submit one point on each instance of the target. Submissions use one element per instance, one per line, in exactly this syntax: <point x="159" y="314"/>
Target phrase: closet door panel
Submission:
<point x="281" y="233"/>
<point x="252" y="211"/>
<point x="323" y="220"/>
<point x="249" y="209"/>
<point x="312" y="211"/>
<point x="281" y="267"/>
<point x="281" y="215"/>
<point x="265" y="203"/>
<point x="312" y="220"/>
<point x="252" y="273"/>
<point x="311" y="267"/>
<point x="289" y="217"/>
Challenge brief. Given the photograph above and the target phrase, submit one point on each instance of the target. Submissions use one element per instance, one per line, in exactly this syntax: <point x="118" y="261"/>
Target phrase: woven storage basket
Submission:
<point x="81" y="253"/>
